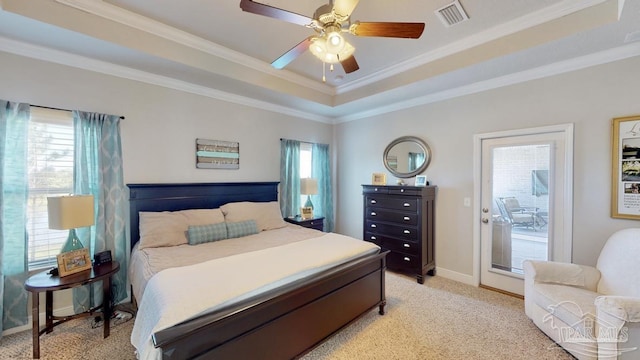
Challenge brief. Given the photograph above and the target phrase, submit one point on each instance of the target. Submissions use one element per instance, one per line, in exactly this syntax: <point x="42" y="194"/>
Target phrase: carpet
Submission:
<point x="441" y="319"/>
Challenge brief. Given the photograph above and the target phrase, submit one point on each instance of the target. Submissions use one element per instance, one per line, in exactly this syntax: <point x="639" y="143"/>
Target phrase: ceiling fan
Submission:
<point x="329" y="22"/>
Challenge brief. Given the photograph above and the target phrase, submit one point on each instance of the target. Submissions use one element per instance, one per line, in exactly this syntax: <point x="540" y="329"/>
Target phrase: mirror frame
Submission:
<point x="419" y="142"/>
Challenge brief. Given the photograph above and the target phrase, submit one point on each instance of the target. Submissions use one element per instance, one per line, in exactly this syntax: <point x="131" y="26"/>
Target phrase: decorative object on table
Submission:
<point x="421" y="180"/>
<point x="625" y="190"/>
<point x="215" y="154"/>
<point x="70" y="212"/>
<point x="72" y="262"/>
<point x="308" y="186"/>
<point x="307" y="212"/>
<point x="103" y="257"/>
<point x="400" y="182"/>
<point x="379" y="179"/>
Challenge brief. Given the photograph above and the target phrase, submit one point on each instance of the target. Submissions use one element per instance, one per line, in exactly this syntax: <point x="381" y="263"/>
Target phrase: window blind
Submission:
<point x="50" y="153"/>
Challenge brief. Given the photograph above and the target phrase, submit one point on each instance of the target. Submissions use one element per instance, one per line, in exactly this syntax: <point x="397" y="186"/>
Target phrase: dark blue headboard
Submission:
<point x="174" y="197"/>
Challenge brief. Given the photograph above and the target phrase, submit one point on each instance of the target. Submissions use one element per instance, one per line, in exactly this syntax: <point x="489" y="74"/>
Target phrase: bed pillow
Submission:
<point x="241" y="228"/>
<point x="169" y="228"/>
<point x="200" y="234"/>
<point x="266" y="214"/>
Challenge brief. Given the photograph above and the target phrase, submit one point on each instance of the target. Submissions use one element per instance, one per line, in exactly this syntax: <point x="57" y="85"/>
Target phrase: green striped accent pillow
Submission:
<point x="241" y="228"/>
<point x="199" y="234"/>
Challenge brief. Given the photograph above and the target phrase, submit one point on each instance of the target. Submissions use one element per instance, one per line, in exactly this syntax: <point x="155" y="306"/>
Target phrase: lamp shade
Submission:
<point x="70" y="212"/>
<point x="308" y="186"/>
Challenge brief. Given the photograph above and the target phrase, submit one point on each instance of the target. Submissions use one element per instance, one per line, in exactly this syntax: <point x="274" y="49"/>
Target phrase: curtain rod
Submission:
<point x="308" y="142"/>
<point x="53" y="108"/>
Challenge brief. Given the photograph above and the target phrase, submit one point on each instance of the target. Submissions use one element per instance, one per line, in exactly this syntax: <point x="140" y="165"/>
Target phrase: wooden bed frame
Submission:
<point x="284" y="323"/>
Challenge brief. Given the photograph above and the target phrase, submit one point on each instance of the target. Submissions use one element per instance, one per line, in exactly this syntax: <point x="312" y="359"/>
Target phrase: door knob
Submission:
<point x="485" y="220"/>
<point x="485" y="210"/>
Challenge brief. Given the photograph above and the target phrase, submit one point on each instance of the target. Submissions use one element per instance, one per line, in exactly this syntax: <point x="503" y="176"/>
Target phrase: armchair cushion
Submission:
<point x="623" y="307"/>
<point x="572" y="305"/>
<point x="562" y="273"/>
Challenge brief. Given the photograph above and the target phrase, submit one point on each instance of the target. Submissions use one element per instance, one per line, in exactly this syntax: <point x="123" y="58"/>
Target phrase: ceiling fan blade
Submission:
<point x="350" y="64"/>
<point x="344" y="7"/>
<point x="274" y="12"/>
<point x="290" y="55"/>
<point x="387" y="29"/>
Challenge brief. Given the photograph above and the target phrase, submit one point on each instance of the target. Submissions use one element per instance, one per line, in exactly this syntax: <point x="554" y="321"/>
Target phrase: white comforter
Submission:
<point x="170" y="296"/>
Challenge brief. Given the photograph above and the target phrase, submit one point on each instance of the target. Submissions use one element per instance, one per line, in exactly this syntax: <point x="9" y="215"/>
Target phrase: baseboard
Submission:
<point x="454" y="275"/>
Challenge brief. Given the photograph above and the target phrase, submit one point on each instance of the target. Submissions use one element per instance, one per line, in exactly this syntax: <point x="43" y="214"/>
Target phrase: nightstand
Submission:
<point x="43" y="282"/>
<point x="313" y="223"/>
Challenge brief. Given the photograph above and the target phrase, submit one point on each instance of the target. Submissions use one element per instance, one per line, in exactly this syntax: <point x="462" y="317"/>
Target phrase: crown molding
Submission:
<point x="561" y="67"/>
<point x="63" y="58"/>
<point x="142" y="23"/>
<point x="81" y="62"/>
<point x="511" y="27"/>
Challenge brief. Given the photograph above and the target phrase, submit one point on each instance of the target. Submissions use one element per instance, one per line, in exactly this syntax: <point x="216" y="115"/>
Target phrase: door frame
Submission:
<point x="567" y="213"/>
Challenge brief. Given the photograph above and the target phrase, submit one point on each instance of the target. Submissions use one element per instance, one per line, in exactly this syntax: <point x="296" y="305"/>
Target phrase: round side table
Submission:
<point x="43" y="282"/>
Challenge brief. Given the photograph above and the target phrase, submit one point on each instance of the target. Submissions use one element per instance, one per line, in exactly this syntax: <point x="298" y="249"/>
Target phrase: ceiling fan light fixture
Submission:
<point x="335" y="42"/>
<point x="323" y="49"/>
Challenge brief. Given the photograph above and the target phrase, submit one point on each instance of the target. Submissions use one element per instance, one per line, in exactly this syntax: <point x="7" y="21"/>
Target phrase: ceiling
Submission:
<point x="215" y="49"/>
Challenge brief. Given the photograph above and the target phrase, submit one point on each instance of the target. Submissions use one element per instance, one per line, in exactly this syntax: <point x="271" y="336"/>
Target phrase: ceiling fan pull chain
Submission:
<point x="324" y="67"/>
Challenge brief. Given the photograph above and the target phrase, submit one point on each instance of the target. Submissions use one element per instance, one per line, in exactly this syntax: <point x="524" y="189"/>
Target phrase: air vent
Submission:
<point x="452" y="14"/>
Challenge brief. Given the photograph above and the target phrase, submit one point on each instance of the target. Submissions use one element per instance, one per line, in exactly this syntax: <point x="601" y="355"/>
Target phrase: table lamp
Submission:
<point x="308" y="186"/>
<point x="70" y="212"/>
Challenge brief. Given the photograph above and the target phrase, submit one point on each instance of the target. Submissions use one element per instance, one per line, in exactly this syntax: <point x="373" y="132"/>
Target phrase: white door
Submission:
<point x="524" y="184"/>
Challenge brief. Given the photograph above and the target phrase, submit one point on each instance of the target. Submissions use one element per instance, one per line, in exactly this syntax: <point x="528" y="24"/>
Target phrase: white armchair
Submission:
<point x="592" y="312"/>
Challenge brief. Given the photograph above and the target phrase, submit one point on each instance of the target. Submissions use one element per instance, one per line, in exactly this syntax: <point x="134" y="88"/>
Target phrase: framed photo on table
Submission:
<point x="625" y="171"/>
<point x="72" y="262"/>
<point x="421" y="180"/>
<point x="379" y="179"/>
<point x="307" y="212"/>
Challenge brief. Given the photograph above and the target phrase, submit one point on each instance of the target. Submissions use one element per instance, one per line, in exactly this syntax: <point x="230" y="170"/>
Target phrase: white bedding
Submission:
<point x="149" y="261"/>
<point x="169" y="296"/>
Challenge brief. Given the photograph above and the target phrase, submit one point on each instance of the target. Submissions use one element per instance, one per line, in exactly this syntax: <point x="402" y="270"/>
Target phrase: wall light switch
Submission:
<point x="467" y="202"/>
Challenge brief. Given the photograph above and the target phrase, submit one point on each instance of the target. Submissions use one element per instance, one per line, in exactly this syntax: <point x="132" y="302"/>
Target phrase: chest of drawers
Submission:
<point x="401" y="219"/>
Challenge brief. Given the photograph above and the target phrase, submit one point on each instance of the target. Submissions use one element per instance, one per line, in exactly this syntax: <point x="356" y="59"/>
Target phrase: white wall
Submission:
<point x="161" y="125"/>
<point x="588" y="98"/>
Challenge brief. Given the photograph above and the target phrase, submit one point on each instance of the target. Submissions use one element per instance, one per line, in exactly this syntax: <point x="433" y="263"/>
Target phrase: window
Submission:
<point x="50" y="154"/>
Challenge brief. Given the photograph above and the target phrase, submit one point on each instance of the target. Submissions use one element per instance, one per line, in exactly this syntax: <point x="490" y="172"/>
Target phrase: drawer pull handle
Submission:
<point x="376" y="189"/>
<point x="401" y="190"/>
<point x="406" y="218"/>
<point x="373" y="226"/>
<point x="373" y="201"/>
<point x="406" y="245"/>
<point x="406" y="204"/>
<point x="374" y="238"/>
<point x="373" y="213"/>
<point x="406" y="259"/>
<point x="407" y="232"/>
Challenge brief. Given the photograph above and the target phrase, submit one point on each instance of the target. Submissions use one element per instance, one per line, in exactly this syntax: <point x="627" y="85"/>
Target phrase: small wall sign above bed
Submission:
<point x="215" y="154"/>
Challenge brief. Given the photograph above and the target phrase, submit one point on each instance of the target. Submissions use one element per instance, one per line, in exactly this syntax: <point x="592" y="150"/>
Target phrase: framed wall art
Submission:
<point x="72" y="262"/>
<point x="625" y="172"/>
<point x="216" y="154"/>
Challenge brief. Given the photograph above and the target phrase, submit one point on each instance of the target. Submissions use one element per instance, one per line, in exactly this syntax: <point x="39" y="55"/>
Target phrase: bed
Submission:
<point x="277" y="322"/>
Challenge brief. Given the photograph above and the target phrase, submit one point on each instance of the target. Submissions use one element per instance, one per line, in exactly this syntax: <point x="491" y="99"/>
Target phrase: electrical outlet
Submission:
<point x="467" y="202"/>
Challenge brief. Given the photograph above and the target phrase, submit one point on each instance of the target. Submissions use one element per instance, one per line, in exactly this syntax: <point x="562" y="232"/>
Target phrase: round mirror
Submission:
<point x="406" y="156"/>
